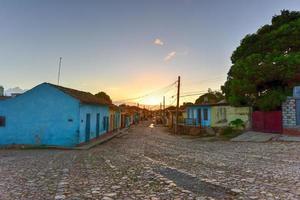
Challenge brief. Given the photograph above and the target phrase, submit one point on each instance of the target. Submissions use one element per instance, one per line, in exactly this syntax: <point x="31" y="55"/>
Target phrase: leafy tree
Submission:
<point x="210" y="97"/>
<point x="266" y="65"/>
<point x="104" y="96"/>
<point x="187" y="103"/>
<point x="171" y="108"/>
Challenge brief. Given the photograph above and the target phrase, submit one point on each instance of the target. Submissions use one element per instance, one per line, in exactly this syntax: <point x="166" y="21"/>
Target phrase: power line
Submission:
<point x="201" y="91"/>
<point x="170" y="104"/>
<point x="164" y="89"/>
<point x="192" y="92"/>
<point x="188" y="95"/>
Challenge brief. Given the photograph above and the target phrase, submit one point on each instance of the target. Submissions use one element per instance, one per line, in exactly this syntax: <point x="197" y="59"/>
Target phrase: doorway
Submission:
<point x="97" y="124"/>
<point x="199" y="118"/>
<point x="298" y="112"/>
<point x="87" y="127"/>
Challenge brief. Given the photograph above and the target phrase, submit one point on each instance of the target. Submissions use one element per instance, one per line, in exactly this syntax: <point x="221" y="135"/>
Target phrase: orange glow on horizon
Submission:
<point x="150" y="101"/>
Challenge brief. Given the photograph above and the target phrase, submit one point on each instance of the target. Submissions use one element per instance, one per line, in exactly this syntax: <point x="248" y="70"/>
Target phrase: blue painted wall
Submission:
<point x="43" y="115"/>
<point x="192" y="113"/>
<point x="92" y="110"/>
<point x="47" y="116"/>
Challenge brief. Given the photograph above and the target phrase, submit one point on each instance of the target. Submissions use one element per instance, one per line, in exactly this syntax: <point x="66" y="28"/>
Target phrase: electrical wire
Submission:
<point x="164" y="89"/>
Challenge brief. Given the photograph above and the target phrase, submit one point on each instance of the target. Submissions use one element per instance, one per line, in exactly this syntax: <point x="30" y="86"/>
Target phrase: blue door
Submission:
<point x="87" y="127"/>
<point x="205" y="117"/>
<point x="97" y="124"/>
<point x="107" y="124"/>
<point x="298" y="111"/>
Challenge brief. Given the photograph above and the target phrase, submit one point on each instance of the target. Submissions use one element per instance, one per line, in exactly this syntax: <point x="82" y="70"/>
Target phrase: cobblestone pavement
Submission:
<point x="148" y="163"/>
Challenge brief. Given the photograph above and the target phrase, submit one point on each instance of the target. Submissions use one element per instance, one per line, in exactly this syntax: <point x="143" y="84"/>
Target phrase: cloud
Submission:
<point x="158" y="42"/>
<point x="170" y="56"/>
<point x="17" y="90"/>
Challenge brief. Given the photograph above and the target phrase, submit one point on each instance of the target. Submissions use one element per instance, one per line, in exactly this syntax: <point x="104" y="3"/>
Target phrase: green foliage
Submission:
<point x="237" y="124"/>
<point x="104" y="96"/>
<point x="187" y="103"/>
<point x="229" y="133"/>
<point x="210" y="97"/>
<point x="266" y="64"/>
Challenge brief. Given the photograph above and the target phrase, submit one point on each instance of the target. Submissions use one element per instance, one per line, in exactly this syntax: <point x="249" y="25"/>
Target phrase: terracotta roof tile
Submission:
<point x="83" y="97"/>
<point x="114" y="107"/>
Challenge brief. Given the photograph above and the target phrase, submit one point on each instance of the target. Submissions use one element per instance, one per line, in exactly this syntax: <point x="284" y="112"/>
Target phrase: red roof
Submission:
<point x="83" y="97"/>
<point x="114" y="107"/>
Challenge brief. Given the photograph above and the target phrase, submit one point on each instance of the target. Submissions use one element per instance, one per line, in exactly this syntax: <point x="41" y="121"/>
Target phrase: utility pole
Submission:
<point x="164" y="109"/>
<point x="177" y="105"/>
<point x="160" y="109"/>
<point x="59" y="67"/>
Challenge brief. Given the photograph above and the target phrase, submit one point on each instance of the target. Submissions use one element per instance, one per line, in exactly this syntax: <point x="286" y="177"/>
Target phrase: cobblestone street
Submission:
<point x="148" y="163"/>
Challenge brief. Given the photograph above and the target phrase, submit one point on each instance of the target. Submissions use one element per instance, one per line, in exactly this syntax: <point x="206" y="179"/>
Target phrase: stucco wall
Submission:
<point x="92" y="110"/>
<point x="223" y="115"/>
<point x="43" y="115"/>
<point x="115" y="120"/>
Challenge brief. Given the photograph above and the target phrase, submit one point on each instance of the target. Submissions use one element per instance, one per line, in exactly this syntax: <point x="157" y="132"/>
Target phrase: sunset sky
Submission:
<point x="126" y="48"/>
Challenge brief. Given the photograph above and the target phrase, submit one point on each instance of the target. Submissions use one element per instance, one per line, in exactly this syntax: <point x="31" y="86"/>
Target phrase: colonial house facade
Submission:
<point x="52" y="115"/>
<point x="216" y="114"/>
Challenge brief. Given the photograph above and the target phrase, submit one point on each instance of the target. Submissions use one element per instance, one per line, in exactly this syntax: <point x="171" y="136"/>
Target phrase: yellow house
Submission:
<point x="223" y="114"/>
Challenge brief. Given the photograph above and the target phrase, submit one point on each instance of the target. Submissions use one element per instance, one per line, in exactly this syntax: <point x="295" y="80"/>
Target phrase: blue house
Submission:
<point x="198" y="115"/>
<point x="52" y="115"/>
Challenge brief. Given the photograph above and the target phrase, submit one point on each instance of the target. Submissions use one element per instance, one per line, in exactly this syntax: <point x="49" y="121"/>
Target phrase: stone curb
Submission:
<point x="83" y="147"/>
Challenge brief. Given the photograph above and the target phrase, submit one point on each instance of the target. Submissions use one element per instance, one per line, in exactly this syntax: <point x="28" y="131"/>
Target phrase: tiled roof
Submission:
<point x="129" y="109"/>
<point x="83" y="97"/>
<point x="114" y="107"/>
<point x="209" y="104"/>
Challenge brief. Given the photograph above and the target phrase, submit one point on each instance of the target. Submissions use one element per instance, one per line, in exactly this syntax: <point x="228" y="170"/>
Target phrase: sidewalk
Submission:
<point x="85" y="146"/>
<point x="252" y="136"/>
<point x="104" y="138"/>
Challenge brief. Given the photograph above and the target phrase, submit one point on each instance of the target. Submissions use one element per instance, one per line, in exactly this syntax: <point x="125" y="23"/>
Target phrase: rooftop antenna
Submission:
<point x="59" y="67"/>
